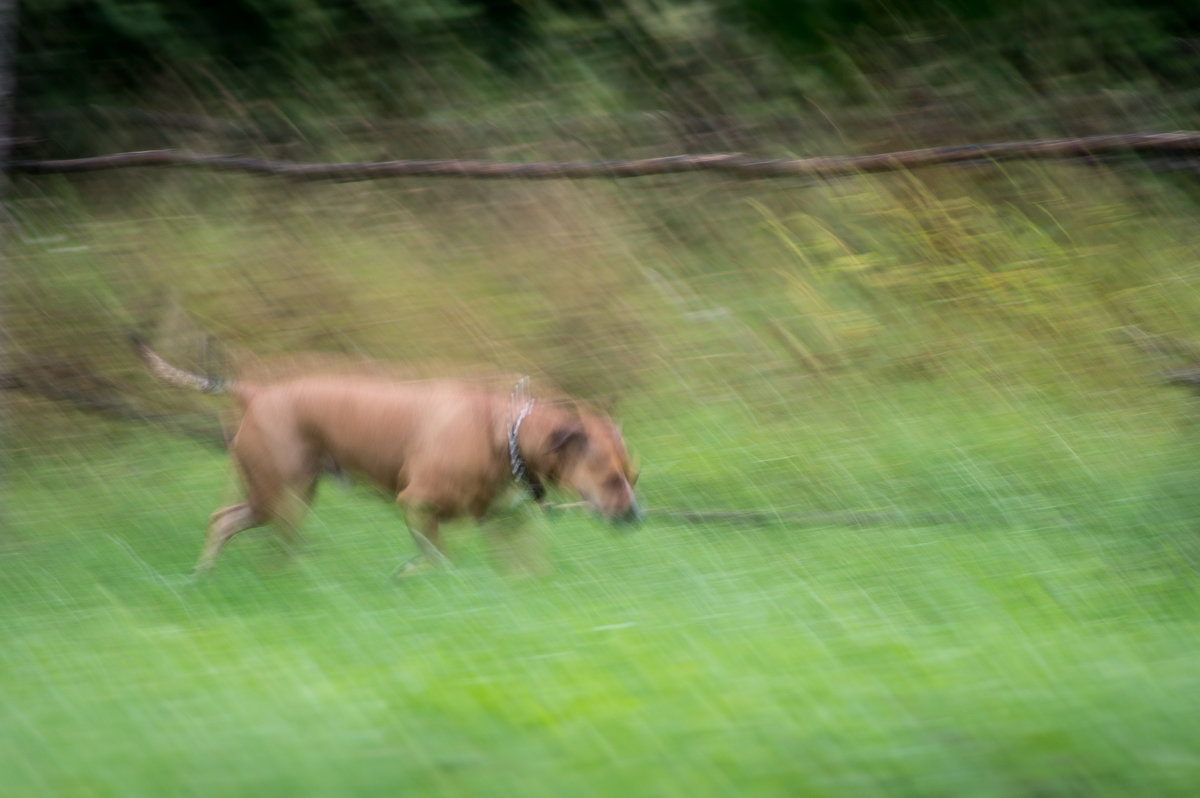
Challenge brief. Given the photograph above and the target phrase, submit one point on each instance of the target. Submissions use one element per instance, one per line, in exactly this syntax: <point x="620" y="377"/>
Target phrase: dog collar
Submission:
<point x="519" y="471"/>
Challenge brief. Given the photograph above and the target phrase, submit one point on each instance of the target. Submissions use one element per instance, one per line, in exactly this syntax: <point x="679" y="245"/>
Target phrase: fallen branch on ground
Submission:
<point x="761" y="517"/>
<point x="1155" y="344"/>
<point x="67" y="383"/>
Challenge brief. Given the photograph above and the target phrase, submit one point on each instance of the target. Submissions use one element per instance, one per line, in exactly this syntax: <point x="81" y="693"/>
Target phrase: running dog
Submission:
<point x="443" y="449"/>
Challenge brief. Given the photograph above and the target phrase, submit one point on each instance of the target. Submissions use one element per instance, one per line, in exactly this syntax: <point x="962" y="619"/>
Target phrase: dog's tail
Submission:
<point x="173" y="375"/>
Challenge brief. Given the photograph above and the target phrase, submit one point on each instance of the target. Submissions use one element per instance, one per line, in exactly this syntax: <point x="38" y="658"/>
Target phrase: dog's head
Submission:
<point x="590" y="457"/>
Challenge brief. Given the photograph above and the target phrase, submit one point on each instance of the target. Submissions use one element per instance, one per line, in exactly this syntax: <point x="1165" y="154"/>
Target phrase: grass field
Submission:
<point x="945" y="356"/>
<point x="968" y="562"/>
<point x="1039" y="638"/>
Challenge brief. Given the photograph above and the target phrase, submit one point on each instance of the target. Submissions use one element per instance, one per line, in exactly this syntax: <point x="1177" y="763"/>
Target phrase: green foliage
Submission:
<point x="127" y="46"/>
<point x="283" y="63"/>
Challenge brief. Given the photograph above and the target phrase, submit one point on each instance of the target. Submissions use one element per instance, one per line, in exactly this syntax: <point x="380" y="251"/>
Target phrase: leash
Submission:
<point x="520" y="473"/>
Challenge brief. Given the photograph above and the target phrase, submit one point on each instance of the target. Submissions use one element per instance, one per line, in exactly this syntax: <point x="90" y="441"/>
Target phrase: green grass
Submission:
<point x="947" y="351"/>
<point x="1042" y="643"/>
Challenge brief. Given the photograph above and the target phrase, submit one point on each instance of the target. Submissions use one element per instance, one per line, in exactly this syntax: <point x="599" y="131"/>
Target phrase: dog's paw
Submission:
<point x="415" y="567"/>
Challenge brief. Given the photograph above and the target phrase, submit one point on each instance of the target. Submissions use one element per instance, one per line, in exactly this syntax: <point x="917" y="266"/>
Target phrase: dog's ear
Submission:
<point x="566" y="436"/>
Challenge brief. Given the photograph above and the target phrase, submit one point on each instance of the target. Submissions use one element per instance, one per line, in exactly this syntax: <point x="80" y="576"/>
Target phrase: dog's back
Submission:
<point x="374" y="426"/>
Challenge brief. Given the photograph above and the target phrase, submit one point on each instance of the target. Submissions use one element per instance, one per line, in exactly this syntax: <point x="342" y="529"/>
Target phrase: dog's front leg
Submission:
<point x="422" y="521"/>
<point x="517" y="540"/>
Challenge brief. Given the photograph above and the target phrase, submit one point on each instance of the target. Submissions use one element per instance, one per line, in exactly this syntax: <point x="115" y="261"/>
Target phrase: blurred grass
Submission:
<point x="1044" y="644"/>
<point x="943" y="347"/>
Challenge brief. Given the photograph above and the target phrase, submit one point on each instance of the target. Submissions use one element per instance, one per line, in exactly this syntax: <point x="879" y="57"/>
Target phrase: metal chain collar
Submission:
<point x="519" y="471"/>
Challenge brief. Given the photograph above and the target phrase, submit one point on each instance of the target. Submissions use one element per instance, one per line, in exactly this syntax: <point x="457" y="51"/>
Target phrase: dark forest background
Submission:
<point x="285" y="68"/>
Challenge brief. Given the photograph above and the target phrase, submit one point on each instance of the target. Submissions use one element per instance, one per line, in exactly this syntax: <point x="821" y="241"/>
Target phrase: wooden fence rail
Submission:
<point x="1184" y="144"/>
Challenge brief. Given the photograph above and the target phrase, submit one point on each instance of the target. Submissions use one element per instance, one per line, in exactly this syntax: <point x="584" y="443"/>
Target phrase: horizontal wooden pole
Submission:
<point x="1172" y="144"/>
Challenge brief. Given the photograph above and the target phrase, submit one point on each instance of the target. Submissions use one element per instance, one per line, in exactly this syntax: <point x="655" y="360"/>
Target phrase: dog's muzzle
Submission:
<point x="631" y="519"/>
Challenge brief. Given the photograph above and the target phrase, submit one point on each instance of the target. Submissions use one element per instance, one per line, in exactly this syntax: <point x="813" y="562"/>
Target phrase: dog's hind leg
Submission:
<point x="285" y="516"/>
<point x="222" y="526"/>
<point x="280" y="479"/>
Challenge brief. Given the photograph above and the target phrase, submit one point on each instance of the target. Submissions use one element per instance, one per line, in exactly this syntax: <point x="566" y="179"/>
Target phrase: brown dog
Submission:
<point x="445" y="450"/>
